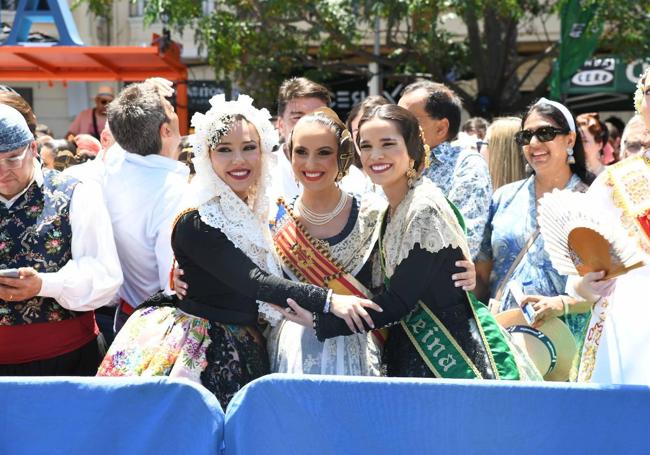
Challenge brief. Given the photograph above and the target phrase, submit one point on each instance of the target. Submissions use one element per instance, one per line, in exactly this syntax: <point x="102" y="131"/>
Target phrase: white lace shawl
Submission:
<point x="425" y="217"/>
<point x="244" y="223"/>
<point x="354" y="251"/>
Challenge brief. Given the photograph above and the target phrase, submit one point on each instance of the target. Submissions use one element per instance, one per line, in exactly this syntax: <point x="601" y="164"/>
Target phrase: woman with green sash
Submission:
<point x="328" y="237"/>
<point x="436" y="329"/>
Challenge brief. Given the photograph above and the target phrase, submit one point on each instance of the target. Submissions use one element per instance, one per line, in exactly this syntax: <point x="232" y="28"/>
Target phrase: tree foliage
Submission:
<point x="260" y="42"/>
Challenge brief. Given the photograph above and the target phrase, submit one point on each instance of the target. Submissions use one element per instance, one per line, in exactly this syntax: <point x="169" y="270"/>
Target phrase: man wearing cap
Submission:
<point x="58" y="262"/>
<point x="91" y="121"/>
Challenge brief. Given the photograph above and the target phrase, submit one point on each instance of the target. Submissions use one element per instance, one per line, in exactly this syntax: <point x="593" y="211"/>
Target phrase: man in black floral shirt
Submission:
<point x="57" y="262"/>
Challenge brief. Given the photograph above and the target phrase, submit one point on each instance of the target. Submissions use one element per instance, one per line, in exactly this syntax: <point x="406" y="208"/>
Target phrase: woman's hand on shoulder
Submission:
<point x="180" y="286"/>
<point x="352" y="310"/>
<point x="466" y="279"/>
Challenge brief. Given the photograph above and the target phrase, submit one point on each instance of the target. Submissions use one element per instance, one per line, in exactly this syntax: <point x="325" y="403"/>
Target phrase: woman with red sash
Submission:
<point x="223" y="243"/>
<point x="325" y="237"/>
<point x="436" y="329"/>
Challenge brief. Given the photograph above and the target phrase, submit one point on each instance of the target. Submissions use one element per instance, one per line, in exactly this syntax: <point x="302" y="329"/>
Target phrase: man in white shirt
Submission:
<point x="58" y="262"/>
<point x="143" y="190"/>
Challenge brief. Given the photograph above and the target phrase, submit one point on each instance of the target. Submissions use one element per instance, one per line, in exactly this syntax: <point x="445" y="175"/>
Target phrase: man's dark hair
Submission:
<point x="135" y="117"/>
<point x="442" y="102"/>
<point x="301" y="87"/>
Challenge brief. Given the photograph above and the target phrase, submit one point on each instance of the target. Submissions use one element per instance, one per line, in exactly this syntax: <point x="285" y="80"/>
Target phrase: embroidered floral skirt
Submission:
<point x="165" y="341"/>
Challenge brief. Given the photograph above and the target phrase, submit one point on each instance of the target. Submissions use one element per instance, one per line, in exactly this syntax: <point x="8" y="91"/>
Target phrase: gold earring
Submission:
<point x="411" y="174"/>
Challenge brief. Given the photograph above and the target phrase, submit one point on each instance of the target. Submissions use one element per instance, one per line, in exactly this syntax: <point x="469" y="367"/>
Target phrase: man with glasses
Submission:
<point x="462" y="175"/>
<point x="91" y="121"/>
<point x="144" y="187"/>
<point x="635" y="139"/>
<point x="58" y="262"/>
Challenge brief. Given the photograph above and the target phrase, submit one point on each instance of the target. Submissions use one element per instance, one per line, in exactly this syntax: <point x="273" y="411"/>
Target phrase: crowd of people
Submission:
<point x="389" y="244"/>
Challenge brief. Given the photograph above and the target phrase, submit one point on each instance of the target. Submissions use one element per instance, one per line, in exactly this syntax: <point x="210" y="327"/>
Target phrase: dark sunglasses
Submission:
<point x="104" y="101"/>
<point x="544" y="134"/>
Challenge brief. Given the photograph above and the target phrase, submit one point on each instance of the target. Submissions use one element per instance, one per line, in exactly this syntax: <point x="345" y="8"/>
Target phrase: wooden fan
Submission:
<point x="578" y="240"/>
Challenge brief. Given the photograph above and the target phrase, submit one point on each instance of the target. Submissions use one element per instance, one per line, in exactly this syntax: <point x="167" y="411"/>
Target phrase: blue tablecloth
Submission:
<point x="337" y="415"/>
<point x="108" y="416"/>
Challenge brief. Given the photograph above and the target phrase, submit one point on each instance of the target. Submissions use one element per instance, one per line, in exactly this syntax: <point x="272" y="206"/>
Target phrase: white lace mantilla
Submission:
<point x="425" y="217"/>
<point x="244" y="223"/>
<point x="354" y="251"/>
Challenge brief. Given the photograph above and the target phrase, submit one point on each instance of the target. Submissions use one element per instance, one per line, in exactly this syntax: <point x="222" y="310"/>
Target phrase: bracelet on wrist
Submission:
<point x="565" y="306"/>
<point x="328" y="301"/>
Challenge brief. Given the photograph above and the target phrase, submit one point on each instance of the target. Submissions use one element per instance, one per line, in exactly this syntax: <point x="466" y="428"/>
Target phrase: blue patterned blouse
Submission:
<point x="512" y="220"/>
<point x="464" y="177"/>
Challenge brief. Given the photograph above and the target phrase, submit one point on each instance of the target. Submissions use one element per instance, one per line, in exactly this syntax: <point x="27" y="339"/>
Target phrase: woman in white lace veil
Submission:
<point x="436" y="329"/>
<point x="223" y="244"/>
<point x="243" y="220"/>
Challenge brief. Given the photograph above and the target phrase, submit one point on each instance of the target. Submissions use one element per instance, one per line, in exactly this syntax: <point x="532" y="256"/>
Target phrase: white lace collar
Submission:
<point x="424" y="217"/>
<point x="244" y="223"/>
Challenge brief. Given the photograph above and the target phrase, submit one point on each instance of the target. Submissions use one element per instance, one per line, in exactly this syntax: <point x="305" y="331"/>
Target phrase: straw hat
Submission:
<point x="550" y="346"/>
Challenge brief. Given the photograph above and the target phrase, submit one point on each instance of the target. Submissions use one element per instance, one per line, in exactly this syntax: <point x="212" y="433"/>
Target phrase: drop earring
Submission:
<point x="570" y="158"/>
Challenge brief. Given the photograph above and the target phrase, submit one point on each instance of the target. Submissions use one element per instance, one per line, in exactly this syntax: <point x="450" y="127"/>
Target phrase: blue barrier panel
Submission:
<point x="281" y="414"/>
<point x="108" y="416"/>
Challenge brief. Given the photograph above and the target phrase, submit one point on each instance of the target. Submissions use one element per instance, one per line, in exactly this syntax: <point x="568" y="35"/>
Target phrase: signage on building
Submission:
<point x="30" y="12"/>
<point x="346" y="93"/>
<point x="608" y="75"/>
<point x="200" y="92"/>
<point x="596" y="72"/>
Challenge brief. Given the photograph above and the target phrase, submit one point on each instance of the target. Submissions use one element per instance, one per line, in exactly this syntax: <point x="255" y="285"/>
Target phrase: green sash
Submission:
<point x="441" y="352"/>
<point x="436" y="346"/>
<point x="501" y="358"/>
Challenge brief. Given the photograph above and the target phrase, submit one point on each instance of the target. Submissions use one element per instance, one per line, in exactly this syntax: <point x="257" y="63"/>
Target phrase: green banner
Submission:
<point x="578" y="41"/>
<point x="606" y="74"/>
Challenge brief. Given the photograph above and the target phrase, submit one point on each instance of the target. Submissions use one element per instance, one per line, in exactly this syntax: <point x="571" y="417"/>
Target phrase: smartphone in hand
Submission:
<point x="518" y="295"/>
<point x="10" y="273"/>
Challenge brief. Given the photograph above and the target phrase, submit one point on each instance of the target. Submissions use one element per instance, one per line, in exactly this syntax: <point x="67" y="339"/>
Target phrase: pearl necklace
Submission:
<point x="319" y="219"/>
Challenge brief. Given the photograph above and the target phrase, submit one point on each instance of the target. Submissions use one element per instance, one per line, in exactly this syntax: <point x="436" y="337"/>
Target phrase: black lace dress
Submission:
<point x="220" y="337"/>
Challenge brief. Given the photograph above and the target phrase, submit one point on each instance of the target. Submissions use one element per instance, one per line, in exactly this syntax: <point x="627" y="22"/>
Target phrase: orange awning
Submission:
<point x="97" y="63"/>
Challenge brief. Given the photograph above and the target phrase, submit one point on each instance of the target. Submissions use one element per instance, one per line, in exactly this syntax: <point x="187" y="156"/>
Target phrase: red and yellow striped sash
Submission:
<point x="310" y="263"/>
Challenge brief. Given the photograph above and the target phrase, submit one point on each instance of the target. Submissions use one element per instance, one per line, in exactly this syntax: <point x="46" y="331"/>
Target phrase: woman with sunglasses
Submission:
<point x="512" y="249"/>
